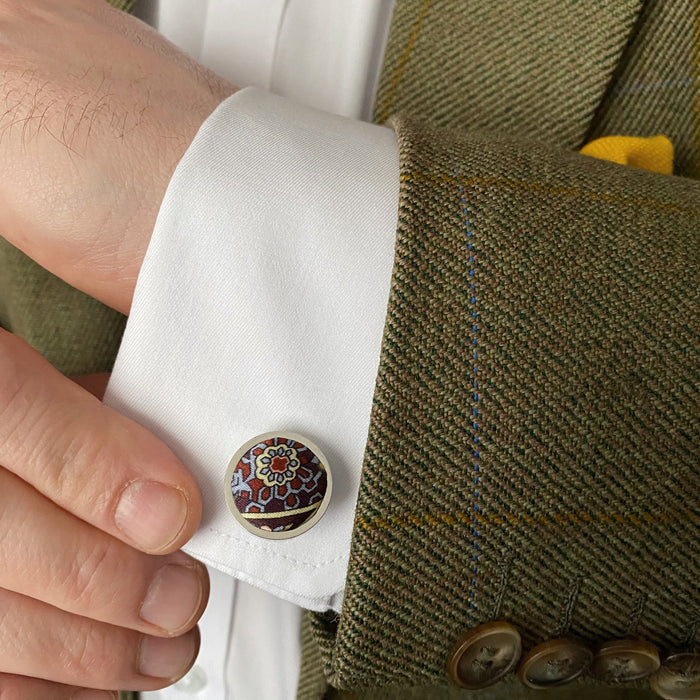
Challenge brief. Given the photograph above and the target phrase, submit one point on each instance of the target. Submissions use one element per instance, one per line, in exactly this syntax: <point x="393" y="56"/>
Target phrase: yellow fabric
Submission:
<point x="655" y="153"/>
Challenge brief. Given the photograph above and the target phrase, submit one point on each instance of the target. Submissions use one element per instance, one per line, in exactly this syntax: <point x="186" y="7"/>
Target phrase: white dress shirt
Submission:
<point x="261" y="305"/>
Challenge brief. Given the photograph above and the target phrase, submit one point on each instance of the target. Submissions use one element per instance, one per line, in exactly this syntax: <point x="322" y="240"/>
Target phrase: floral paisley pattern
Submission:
<point x="277" y="464"/>
<point x="278" y="484"/>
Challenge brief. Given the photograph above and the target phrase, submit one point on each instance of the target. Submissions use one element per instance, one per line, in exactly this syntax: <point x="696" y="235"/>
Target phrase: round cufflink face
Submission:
<point x="278" y="485"/>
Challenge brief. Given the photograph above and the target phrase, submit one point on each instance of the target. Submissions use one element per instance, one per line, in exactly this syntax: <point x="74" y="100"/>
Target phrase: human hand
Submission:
<point x="95" y="112"/>
<point x="83" y="489"/>
<point x="96" y="109"/>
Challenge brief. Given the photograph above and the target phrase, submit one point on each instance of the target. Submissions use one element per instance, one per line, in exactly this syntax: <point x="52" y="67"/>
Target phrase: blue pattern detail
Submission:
<point x="660" y="85"/>
<point x="473" y="304"/>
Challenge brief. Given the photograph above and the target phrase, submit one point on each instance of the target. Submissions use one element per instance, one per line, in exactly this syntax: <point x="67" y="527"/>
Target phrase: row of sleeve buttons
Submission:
<point x="487" y="653"/>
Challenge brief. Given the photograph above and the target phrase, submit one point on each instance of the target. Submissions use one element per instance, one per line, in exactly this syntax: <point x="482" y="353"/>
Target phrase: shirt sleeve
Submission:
<point x="260" y="307"/>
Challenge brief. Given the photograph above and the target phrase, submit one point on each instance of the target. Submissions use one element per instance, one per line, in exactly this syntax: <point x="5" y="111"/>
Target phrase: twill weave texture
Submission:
<point x="570" y="505"/>
<point x="656" y="89"/>
<point x="533" y="448"/>
<point x="522" y="68"/>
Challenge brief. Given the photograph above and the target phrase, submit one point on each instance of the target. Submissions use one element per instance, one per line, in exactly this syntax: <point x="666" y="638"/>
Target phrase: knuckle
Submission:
<point x="81" y="462"/>
<point x="37" y="441"/>
<point x="94" y="575"/>
<point x="50" y="436"/>
<point x="98" y="654"/>
<point x="74" y="454"/>
<point x="84" y="655"/>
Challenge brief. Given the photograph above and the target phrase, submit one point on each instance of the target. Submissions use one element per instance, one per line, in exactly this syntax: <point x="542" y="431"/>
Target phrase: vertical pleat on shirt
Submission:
<point x="239" y="39"/>
<point x="528" y="68"/>
<point x="183" y="22"/>
<point x="328" y="55"/>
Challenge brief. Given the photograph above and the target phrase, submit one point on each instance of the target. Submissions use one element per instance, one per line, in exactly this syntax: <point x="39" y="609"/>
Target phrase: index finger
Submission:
<point x="88" y="458"/>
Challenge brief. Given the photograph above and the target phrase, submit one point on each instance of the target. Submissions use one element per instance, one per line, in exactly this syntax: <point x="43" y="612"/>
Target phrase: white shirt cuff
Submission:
<point x="260" y="307"/>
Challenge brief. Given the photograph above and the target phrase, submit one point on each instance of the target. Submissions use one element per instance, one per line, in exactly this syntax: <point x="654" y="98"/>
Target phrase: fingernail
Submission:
<point x="151" y="514"/>
<point x="90" y="694"/>
<point x="167" y="658"/>
<point x="173" y="598"/>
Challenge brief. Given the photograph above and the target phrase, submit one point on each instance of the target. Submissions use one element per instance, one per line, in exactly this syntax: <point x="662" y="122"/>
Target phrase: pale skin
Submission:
<point x="95" y="112"/>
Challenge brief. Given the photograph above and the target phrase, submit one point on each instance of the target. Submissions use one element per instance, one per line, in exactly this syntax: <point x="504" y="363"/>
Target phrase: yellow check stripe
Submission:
<point x="282" y="514"/>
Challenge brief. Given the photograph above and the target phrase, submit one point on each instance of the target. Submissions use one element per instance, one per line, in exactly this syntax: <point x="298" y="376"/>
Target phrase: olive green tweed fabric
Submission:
<point x="76" y="333"/>
<point x="560" y="491"/>
<point x="313" y="686"/>
<point x="533" y="450"/>
<point x="126" y="5"/>
<point x="312" y="680"/>
<point x="530" y="68"/>
<point x="656" y="89"/>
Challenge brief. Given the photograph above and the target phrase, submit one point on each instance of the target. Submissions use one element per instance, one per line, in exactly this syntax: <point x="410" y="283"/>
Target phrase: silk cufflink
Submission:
<point x="278" y="485"/>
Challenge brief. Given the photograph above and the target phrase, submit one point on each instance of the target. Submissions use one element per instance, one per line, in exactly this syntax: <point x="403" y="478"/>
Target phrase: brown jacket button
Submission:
<point x="555" y="662"/>
<point x="483" y="655"/>
<point x="678" y="678"/>
<point x="624" y="660"/>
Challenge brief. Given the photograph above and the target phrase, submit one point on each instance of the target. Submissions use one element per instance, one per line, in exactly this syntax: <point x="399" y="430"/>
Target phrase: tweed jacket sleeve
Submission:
<point x="533" y="451"/>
